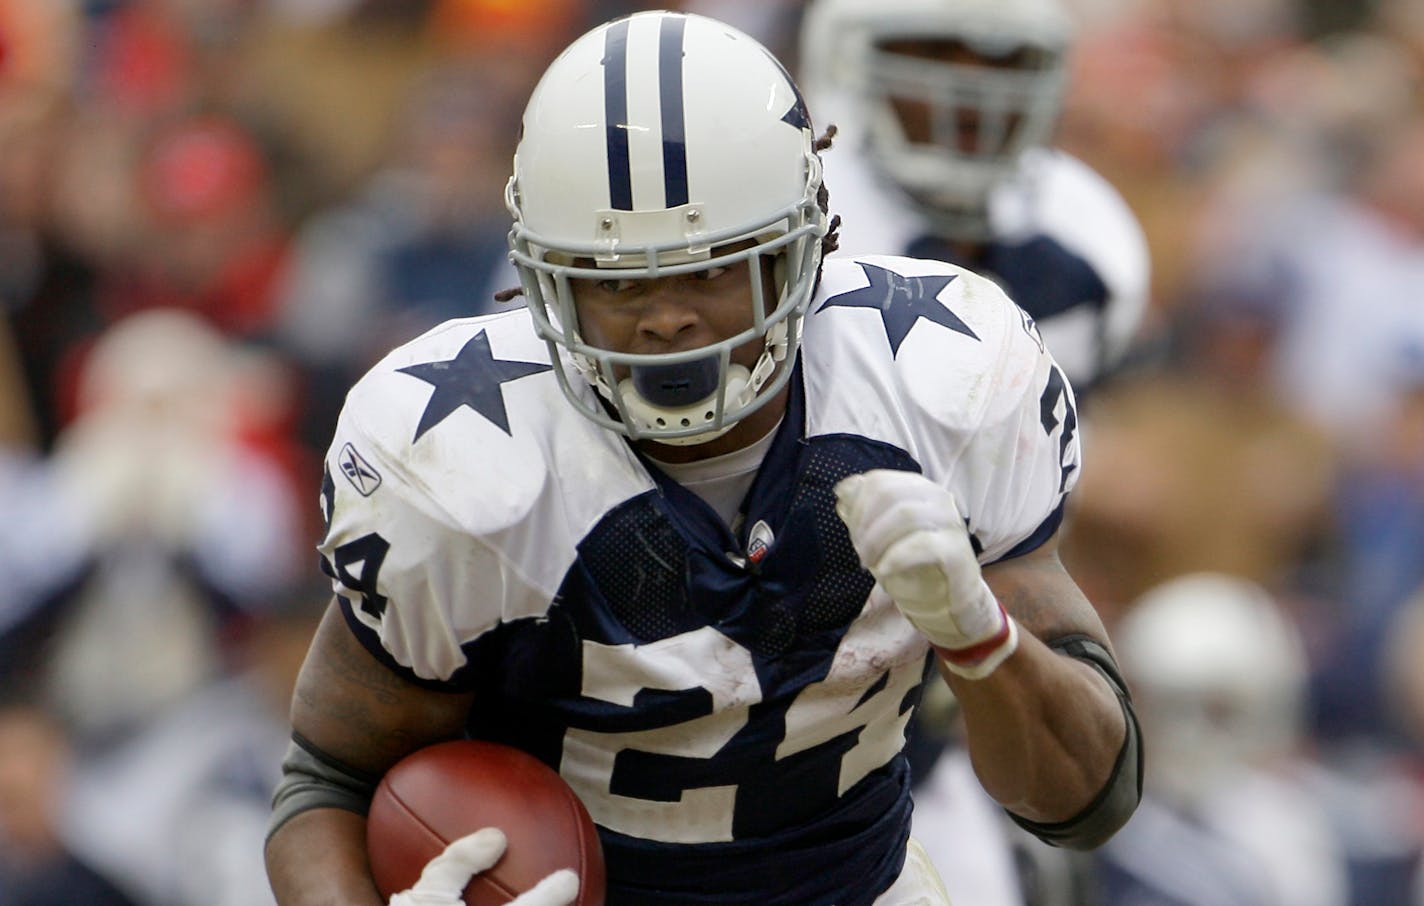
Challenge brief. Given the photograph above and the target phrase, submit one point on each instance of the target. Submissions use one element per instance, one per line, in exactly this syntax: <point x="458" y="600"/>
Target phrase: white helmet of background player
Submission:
<point x="868" y="60"/>
<point x="651" y="144"/>
<point x="1219" y="672"/>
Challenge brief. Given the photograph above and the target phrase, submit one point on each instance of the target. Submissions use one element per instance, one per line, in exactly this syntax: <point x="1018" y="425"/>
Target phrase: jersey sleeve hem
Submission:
<point x="371" y="641"/>
<point x="1046" y="529"/>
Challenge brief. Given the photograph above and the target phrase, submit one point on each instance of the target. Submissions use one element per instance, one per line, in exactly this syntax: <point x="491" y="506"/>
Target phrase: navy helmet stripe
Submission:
<point x="615" y="115"/>
<point x="670" y="38"/>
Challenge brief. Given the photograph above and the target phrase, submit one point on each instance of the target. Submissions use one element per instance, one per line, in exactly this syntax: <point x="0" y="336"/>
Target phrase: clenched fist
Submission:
<point x="908" y="532"/>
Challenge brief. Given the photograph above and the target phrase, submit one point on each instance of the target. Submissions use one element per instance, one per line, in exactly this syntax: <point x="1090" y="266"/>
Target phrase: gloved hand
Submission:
<point x="443" y="881"/>
<point x="908" y="532"/>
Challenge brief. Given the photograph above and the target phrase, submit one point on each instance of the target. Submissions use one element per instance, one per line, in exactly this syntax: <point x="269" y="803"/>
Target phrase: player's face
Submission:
<point x="670" y="314"/>
<point x="917" y="114"/>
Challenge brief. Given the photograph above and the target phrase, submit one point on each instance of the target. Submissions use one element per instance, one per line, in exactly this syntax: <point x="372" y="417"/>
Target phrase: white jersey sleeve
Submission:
<point x="400" y="561"/>
<point x="457" y="487"/>
<point x="946" y="367"/>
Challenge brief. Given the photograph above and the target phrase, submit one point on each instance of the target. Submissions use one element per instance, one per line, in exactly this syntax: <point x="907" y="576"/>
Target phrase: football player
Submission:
<point x="1220" y="670"/>
<point x="945" y="111"/>
<point x="697" y="524"/>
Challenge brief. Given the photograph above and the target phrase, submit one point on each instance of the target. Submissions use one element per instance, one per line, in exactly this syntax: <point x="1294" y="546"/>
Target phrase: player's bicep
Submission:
<point x="1037" y="590"/>
<point x="352" y="707"/>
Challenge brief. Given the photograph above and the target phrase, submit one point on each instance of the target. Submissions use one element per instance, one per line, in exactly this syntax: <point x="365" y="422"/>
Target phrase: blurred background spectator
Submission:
<point x="421" y="241"/>
<point x="214" y="214"/>
<point x="37" y="866"/>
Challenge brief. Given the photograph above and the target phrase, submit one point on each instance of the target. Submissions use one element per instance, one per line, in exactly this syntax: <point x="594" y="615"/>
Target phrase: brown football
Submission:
<point x="442" y="792"/>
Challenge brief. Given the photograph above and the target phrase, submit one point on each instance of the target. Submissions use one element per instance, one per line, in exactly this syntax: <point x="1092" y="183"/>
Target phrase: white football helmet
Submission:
<point x="981" y="117"/>
<point x="1219" y="672"/>
<point x="650" y="145"/>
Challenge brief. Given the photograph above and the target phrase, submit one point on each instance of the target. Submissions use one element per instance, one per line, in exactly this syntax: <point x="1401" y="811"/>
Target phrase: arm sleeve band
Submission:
<point x="1119" y="797"/>
<point x="312" y="779"/>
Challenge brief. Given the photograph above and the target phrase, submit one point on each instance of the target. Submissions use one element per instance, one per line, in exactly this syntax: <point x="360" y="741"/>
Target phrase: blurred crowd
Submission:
<point x="216" y="214"/>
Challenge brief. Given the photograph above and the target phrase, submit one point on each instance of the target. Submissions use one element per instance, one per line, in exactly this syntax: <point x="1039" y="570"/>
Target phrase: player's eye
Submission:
<point x="711" y="273"/>
<point x="613" y="285"/>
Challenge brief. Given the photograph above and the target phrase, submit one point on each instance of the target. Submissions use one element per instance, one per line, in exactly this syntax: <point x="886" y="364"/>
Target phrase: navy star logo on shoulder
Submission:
<point x="902" y="302"/>
<point x="473" y="378"/>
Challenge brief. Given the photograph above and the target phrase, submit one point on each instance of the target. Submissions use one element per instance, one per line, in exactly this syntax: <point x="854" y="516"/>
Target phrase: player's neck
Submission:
<point x="746" y="432"/>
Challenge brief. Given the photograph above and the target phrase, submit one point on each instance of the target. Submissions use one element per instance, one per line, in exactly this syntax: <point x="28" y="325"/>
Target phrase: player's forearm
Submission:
<point x="318" y="858"/>
<point x="1044" y="732"/>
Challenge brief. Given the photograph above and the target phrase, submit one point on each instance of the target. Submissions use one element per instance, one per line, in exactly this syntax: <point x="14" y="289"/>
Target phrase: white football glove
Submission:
<point x="443" y="881"/>
<point x="910" y="535"/>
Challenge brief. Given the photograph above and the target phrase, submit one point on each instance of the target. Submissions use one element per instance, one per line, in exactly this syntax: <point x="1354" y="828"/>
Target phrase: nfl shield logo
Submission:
<point x="759" y="541"/>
